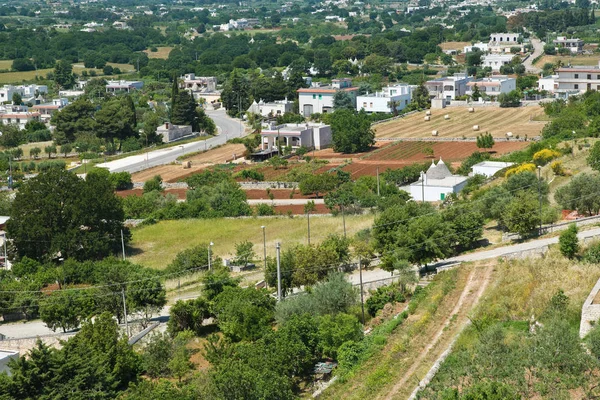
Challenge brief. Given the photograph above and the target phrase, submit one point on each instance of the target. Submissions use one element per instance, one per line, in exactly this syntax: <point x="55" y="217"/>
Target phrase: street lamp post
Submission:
<point x="209" y="247"/>
<point x="264" y="247"/>
<point x="539" y="168"/>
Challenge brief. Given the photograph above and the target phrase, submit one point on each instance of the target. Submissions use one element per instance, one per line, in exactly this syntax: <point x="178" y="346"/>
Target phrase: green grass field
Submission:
<point x="157" y="245"/>
<point x="18" y="77"/>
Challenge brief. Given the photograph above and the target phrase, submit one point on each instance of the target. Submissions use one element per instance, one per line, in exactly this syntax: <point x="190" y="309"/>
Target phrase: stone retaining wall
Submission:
<point x="590" y="313"/>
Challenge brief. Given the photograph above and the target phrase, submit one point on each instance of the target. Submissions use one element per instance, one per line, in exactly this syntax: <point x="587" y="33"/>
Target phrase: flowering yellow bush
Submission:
<point x="527" y="167"/>
<point x="557" y="168"/>
<point x="544" y="156"/>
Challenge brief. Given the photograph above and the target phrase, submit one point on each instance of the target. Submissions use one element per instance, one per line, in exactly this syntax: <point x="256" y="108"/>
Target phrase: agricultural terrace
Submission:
<point x="495" y="120"/>
<point x="161" y="52"/>
<point x="580" y="59"/>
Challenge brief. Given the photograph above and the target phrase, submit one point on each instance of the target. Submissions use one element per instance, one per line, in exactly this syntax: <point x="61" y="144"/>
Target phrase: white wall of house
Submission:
<point x="489" y="168"/>
<point x="434" y="192"/>
<point x="578" y="79"/>
<point x="547" y="83"/>
<point x="495" y="61"/>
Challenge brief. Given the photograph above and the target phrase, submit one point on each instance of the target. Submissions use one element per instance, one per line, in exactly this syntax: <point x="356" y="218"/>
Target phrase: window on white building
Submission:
<point x="576" y="86"/>
<point x="576" y="76"/>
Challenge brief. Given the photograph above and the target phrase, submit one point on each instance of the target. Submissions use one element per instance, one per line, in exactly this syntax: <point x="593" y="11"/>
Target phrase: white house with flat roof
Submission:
<point x="574" y="45"/>
<point x="448" y="87"/>
<point x="479" y="45"/>
<point x="490" y="168"/>
<point x="123" y="86"/>
<point x="307" y="135"/>
<point x="578" y="79"/>
<point x="271" y="109"/>
<point x="493" y="85"/>
<point x="394" y="96"/>
<point x="319" y="99"/>
<point x="437" y="183"/>
<point x="495" y="61"/>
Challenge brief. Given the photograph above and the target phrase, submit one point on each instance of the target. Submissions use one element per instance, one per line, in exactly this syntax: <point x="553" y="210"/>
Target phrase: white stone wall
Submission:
<point x="590" y="313"/>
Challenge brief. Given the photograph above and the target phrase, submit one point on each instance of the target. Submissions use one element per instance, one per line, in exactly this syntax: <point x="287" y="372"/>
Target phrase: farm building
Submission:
<point x="295" y="136"/>
<point x="437" y="183"/>
<point x="489" y="168"/>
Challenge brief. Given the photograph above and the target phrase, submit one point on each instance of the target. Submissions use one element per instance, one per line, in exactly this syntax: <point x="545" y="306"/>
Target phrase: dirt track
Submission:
<point x="447" y="329"/>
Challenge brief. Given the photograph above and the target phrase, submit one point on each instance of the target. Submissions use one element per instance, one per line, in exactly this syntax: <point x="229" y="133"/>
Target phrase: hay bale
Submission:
<point x="428" y="113"/>
<point x="427" y="118"/>
<point x="471" y="110"/>
<point x="434" y="133"/>
<point x="446" y="116"/>
<point x="475" y="127"/>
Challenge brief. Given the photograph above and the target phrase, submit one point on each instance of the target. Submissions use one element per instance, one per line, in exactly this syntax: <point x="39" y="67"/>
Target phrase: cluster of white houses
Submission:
<point x="319" y="99"/>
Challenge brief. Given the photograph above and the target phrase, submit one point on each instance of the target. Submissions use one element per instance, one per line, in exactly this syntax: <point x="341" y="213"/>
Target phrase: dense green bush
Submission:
<point x="384" y="295"/>
<point x="121" y="180"/>
<point x="252" y="174"/>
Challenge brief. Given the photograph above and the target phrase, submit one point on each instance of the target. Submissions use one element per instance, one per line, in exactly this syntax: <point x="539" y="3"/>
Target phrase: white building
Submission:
<point x="71" y="94"/>
<point x="27" y="92"/>
<point x="46" y="110"/>
<point x="577" y="79"/>
<point x="5" y="357"/>
<point x="17" y="115"/>
<point x="195" y="83"/>
<point x="272" y="109"/>
<point x="575" y="45"/>
<point x="381" y="101"/>
<point x="123" y="86"/>
<point x="479" y="45"/>
<point x="320" y="99"/>
<point x="495" y="61"/>
<point x="503" y="38"/>
<point x="437" y="183"/>
<point x="170" y="132"/>
<point x="490" y="168"/>
<point x="295" y="135"/>
<point x="493" y="85"/>
<point x="548" y="83"/>
<point x="449" y="87"/>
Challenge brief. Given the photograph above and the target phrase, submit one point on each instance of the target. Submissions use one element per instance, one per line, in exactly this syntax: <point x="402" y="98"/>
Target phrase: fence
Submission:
<point x="556" y="227"/>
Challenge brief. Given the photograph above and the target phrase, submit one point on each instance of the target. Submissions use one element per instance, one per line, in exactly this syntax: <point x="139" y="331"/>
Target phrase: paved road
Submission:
<point x="538" y="49"/>
<point x="35" y="328"/>
<point x="227" y="128"/>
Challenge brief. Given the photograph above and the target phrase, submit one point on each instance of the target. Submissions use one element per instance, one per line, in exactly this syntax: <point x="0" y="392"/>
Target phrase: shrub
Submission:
<point x="568" y="242"/>
<point x="544" y="156"/>
<point x="46" y="165"/>
<point x="264" y="209"/>
<point x="384" y="295"/>
<point x="592" y="253"/>
<point x="252" y="175"/>
<point x="121" y="180"/>
<point x="154" y="184"/>
<point x="130" y="144"/>
<point x="194" y="258"/>
<point x="527" y="167"/>
<point x="557" y="168"/>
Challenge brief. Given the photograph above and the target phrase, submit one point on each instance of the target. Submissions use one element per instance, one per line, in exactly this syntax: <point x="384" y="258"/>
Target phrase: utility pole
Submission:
<point x="344" y="219"/>
<point x="377" y="181"/>
<point x="123" y="244"/>
<point x="308" y="220"/>
<point x="125" y="311"/>
<point x="5" y="253"/>
<point x="209" y="246"/>
<point x="278" y="247"/>
<point x="362" y="302"/>
<point x="264" y="250"/>
<point x="539" y="168"/>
